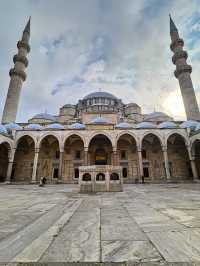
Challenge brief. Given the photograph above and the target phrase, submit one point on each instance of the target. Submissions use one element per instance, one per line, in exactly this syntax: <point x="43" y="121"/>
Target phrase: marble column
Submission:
<point x="166" y="162"/>
<point x="140" y="162"/>
<point x="11" y="154"/>
<point x="86" y="159"/>
<point x="35" y="164"/>
<point x="192" y="163"/>
<point x="115" y="157"/>
<point x="60" y="165"/>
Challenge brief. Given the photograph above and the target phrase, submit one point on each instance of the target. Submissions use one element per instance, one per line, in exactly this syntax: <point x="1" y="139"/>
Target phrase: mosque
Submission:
<point x="100" y="131"/>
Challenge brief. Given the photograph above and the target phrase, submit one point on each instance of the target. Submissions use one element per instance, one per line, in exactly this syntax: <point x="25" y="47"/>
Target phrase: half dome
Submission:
<point x="146" y="125"/>
<point x="44" y="116"/>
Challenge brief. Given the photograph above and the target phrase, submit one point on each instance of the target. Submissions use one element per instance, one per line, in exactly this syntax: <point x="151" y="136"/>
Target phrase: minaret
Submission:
<point x="182" y="73"/>
<point x="17" y="77"/>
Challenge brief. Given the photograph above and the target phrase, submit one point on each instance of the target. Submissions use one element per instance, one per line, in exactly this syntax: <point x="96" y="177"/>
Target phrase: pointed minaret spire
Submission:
<point x="17" y="77"/>
<point x="182" y="73"/>
<point x="28" y="26"/>
<point x="173" y="27"/>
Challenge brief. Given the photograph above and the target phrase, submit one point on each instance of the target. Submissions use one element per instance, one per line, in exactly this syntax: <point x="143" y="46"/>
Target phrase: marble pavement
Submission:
<point x="151" y="223"/>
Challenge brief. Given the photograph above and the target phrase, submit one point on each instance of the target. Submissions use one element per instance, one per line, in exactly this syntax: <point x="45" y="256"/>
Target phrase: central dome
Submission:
<point x="100" y="94"/>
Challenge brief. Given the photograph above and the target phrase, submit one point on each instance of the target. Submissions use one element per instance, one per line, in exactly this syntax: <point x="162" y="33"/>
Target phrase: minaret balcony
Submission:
<point x="24" y="45"/>
<point x="20" y="58"/>
<point x="179" y="55"/>
<point x="176" y="43"/>
<point x="17" y="72"/>
<point x="182" y="69"/>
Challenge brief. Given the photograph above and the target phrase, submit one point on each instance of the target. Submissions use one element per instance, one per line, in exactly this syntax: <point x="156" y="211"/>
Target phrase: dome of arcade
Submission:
<point x="55" y="126"/>
<point x="34" y="127"/>
<point x="124" y="125"/>
<point x="77" y="126"/>
<point x="13" y="126"/>
<point x="189" y="124"/>
<point x="167" y="125"/>
<point x="144" y="125"/>
<point x="3" y="130"/>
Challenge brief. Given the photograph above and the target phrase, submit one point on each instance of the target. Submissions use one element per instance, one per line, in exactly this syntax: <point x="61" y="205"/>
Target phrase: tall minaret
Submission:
<point x="182" y="73"/>
<point x="17" y="76"/>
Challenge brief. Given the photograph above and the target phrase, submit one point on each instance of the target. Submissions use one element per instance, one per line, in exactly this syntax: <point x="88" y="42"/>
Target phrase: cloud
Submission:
<point x="121" y="47"/>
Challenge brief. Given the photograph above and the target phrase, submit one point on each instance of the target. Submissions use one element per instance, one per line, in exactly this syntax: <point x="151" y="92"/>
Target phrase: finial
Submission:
<point x="172" y="25"/>
<point x="27" y="28"/>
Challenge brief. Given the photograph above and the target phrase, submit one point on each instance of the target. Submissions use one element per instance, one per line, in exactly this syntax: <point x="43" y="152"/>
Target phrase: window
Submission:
<point x="57" y="154"/>
<point x="114" y="176"/>
<point x="76" y="173"/>
<point x="100" y="177"/>
<point x="78" y="155"/>
<point x="55" y="173"/>
<point x="144" y="154"/>
<point x="123" y="155"/>
<point x="124" y="172"/>
<point x="86" y="177"/>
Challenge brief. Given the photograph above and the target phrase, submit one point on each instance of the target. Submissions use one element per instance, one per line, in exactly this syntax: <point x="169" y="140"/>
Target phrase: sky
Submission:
<point x="81" y="46"/>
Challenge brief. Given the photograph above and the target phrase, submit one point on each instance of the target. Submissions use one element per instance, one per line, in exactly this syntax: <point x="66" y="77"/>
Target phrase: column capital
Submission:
<point x="86" y="149"/>
<point x="37" y="150"/>
<point x="164" y="148"/>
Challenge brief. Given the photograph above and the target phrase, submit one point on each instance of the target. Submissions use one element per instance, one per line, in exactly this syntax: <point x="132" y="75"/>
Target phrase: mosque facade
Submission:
<point x="100" y="130"/>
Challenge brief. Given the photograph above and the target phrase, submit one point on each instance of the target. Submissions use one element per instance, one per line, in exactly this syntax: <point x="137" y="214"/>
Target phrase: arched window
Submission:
<point x="100" y="177"/>
<point x="114" y="176"/>
<point x="76" y="173"/>
<point x="86" y="177"/>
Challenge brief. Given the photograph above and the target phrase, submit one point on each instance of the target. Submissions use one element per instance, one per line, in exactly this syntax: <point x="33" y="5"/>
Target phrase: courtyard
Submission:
<point x="144" y="223"/>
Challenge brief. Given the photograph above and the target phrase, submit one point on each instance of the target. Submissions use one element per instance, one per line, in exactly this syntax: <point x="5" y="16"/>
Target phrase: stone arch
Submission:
<point x="46" y="134"/>
<point x="5" y="148"/>
<point x="23" y="158"/>
<point x="181" y="134"/>
<point x="106" y="134"/>
<point x="73" y="157"/>
<point x="153" y="132"/>
<point x="127" y="156"/>
<point x="152" y="156"/>
<point x="24" y="134"/>
<point x="100" y="149"/>
<point x="179" y="162"/>
<point x="132" y="134"/>
<point x="48" y="159"/>
<point x="76" y="134"/>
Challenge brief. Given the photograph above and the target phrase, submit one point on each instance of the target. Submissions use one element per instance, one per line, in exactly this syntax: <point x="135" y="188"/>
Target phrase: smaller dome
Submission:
<point x="55" y="126"/>
<point x="3" y="130"/>
<point x="77" y="126"/>
<point x="146" y="125"/>
<point x="189" y="124"/>
<point x="44" y="116"/>
<point x="123" y="125"/>
<point x="100" y="120"/>
<point x="197" y="127"/>
<point x="13" y="126"/>
<point x="167" y="125"/>
<point x="34" y="127"/>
